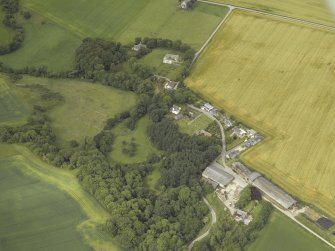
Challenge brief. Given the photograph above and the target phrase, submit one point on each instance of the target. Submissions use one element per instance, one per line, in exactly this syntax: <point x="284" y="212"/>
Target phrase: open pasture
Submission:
<point x="6" y="34"/>
<point x="124" y="20"/>
<point x="278" y="77"/>
<point x="45" y="44"/>
<point x="85" y="108"/>
<point x="45" y="208"/>
<point x="141" y="138"/>
<point x="311" y="10"/>
<point x="283" y="234"/>
<point x="12" y="109"/>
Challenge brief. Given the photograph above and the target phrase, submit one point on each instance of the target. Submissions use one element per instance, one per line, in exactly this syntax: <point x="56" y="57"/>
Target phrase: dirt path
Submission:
<point x="207" y="232"/>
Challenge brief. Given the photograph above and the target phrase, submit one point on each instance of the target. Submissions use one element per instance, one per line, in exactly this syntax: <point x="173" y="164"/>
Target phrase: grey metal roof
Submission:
<point x="274" y="192"/>
<point x="218" y="175"/>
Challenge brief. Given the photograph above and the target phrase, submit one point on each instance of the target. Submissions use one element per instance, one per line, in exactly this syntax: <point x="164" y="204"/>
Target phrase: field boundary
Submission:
<point x="243" y="9"/>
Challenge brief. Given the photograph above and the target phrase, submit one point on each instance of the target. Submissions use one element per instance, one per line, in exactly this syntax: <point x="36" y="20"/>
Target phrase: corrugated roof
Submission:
<point x="274" y="192"/>
<point x="218" y="175"/>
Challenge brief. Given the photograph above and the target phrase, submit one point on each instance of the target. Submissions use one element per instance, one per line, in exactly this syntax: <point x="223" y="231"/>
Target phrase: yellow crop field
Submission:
<point x="311" y="10"/>
<point x="278" y="77"/>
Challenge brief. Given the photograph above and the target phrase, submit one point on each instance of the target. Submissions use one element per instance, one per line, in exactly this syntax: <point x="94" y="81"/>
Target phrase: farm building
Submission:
<point x="232" y="154"/>
<point x="245" y="172"/>
<point x="207" y="107"/>
<point x="171" y="59"/>
<point x="215" y="174"/>
<point x="139" y="46"/>
<point x="325" y="223"/>
<point x="171" y="85"/>
<point x="274" y="193"/>
<point x="175" y="109"/>
<point x="253" y="141"/>
<point x="239" y="132"/>
<point x="251" y="132"/>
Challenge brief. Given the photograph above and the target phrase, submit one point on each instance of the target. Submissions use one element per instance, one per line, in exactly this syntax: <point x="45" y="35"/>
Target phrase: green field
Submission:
<point x="86" y="108"/>
<point x="263" y="71"/>
<point x="144" y="146"/>
<point x="12" y="109"/>
<point x="45" y="44"/>
<point x="6" y="34"/>
<point x="57" y="27"/>
<point x="283" y="234"/>
<point x="44" y="208"/>
<point x="312" y="10"/>
<point x="191" y="126"/>
<point x="155" y="61"/>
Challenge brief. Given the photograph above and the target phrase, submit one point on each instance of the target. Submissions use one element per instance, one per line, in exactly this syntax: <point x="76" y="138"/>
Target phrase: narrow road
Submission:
<point x="207" y="232"/>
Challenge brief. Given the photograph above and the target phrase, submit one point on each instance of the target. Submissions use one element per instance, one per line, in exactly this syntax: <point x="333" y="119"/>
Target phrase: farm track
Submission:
<point x="214" y="219"/>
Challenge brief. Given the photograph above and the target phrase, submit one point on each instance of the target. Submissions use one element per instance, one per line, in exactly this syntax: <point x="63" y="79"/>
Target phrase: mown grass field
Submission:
<point x="312" y="10"/>
<point x="85" y="108"/>
<point x="283" y="234"/>
<point x="12" y="109"/>
<point x="191" y="126"/>
<point x="44" y="208"/>
<point x="279" y="78"/>
<point x="6" y="34"/>
<point x="140" y="135"/>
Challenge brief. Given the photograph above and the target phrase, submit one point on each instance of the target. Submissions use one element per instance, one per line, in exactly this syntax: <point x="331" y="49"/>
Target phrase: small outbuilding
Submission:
<point x="186" y="4"/>
<point x="171" y="59"/>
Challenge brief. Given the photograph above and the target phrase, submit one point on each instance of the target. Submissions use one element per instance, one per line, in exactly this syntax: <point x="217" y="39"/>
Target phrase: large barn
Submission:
<point x="217" y="176"/>
<point x="274" y="193"/>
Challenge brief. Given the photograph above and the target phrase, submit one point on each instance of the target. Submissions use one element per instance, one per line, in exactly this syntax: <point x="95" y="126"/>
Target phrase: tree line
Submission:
<point x="11" y="8"/>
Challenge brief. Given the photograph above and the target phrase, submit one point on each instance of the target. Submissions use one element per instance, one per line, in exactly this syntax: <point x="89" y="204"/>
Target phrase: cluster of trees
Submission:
<point x="187" y="155"/>
<point x="245" y="198"/>
<point x="229" y="235"/>
<point x="129" y="148"/>
<point x="11" y="7"/>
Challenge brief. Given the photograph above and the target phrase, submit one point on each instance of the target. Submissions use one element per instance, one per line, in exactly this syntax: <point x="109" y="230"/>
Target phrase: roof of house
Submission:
<point x="208" y="106"/>
<point x="175" y="109"/>
<point x="241" y="213"/>
<point x="274" y="192"/>
<point x="215" y="173"/>
<point x="238" y="130"/>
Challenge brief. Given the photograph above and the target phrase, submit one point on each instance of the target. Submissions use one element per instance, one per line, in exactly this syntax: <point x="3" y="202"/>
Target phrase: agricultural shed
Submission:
<point x="247" y="174"/>
<point x="274" y="192"/>
<point x="325" y="223"/>
<point x="216" y="174"/>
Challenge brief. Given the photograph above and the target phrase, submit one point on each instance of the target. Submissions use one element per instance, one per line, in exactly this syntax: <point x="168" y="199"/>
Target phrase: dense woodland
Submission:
<point x="141" y="219"/>
<point x="11" y="9"/>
